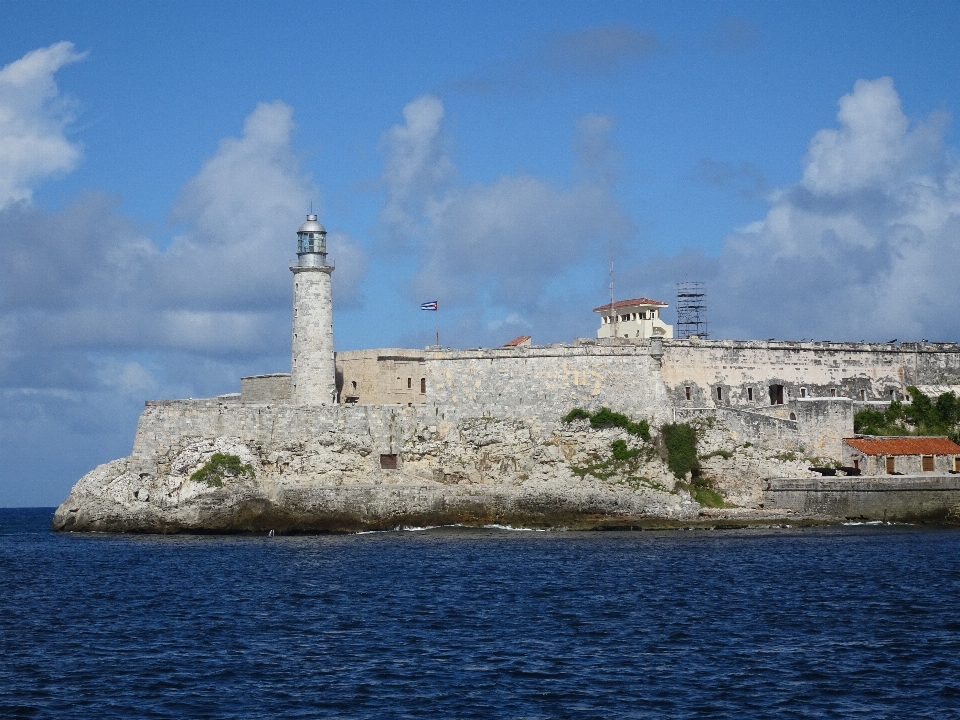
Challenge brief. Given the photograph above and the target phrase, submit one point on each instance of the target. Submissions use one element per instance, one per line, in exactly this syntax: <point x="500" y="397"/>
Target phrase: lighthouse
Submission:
<point x="313" y="373"/>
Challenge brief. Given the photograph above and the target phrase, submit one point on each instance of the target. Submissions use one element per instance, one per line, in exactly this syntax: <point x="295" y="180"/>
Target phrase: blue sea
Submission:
<point x="854" y="621"/>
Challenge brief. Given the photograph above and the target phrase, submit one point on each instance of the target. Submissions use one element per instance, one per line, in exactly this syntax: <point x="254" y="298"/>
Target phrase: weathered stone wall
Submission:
<point x="746" y="426"/>
<point x="541" y="384"/>
<point x="822" y="423"/>
<point x="273" y="388"/>
<point x="167" y="426"/>
<point x="384" y="376"/>
<point x="649" y="378"/>
<point x="905" y="499"/>
<point x="859" y="371"/>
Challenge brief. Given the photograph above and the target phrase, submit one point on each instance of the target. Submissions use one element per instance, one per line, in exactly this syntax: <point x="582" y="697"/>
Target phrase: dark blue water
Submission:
<point x="837" y="622"/>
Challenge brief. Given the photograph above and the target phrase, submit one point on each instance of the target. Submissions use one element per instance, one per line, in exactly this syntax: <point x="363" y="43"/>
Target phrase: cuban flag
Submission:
<point x="429" y="305"/>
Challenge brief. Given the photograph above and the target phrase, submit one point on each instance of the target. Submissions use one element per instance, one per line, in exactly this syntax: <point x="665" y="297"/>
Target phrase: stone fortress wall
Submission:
<point x="790" y="395"/>
<point x="167" y="426"/>
<point x="381" y="376"/>
<point x="649" y="376"/>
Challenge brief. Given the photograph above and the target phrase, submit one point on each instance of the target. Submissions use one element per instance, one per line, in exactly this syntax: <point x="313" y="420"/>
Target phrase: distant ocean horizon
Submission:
<point x="852" y="621"/>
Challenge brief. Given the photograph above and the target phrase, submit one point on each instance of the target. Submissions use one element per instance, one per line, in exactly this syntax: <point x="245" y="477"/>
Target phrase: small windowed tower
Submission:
<point x="313" y="373"/>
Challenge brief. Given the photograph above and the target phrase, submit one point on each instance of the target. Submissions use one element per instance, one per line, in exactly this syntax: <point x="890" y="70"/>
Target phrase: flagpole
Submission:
<point x="435" y="307"/>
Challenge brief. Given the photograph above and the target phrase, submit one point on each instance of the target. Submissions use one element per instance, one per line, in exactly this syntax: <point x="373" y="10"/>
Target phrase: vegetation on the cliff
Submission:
<point x="623" y="460"/>
<point x="680" y="442"/>
<point x="606" y="418"/>
<point x="922" y="416"/>
<point x="220" y="466"/>
<point x="677" y="444"/>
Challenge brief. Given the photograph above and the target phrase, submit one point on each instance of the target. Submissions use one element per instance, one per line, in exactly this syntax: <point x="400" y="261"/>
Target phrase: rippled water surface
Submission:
<point x="832" y="622"/>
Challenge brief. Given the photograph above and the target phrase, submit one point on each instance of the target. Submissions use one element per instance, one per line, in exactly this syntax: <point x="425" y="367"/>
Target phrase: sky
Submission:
<point x="156" y="159"/>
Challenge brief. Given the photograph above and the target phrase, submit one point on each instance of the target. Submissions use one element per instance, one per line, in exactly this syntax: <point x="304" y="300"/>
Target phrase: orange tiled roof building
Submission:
<point x="901" y="455"/>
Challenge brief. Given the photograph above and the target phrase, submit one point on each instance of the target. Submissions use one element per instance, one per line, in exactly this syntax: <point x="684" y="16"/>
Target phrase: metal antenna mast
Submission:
<point x="612" y="309"/>
<point x="691" y="309"/>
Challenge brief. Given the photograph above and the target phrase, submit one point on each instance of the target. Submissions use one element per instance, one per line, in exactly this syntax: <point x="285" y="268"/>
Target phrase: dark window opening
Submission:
<point x="409" y="383"/>
<point x="833" y="392"/>
<point x="423" y="386"/>
<point x="793" y="416"/>
<point x="776" y="394"/>
<point x="719" y="393"/>
<point x="750" y="394"/>
<point x="863" y="394"/>
<point x="688" y="392"/>
<point x="856" y="464"/>
<point x="803" y="392"/>
<point x="388" y="462"/>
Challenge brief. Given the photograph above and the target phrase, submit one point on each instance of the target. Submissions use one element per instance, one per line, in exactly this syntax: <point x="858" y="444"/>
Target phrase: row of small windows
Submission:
<point x="776" y="394"/>
<point x="927" y="464"/>
<point x="355" y="389"/>
<point x="423" y="385"/>
<point x="312" y="242"/>
<point x="629" y="317"/>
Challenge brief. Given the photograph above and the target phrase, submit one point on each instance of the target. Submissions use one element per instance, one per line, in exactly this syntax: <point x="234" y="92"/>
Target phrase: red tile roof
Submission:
<point x="904" y="446"/>
<point x="628" y="303"/>
<point x="520" y="340"/>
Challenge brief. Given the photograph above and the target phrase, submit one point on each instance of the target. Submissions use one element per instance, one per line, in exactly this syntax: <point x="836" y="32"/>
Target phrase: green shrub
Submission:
<point x="605" y="418"/>
<point x="922" y="416"/>
<point x="680" y="441"/>
<point x="708" y="498"/>
<point x="703" y="494"/>
<point x="620" y="451"/>
<point x="576" y="414"/>
<point x="219" y="466"/>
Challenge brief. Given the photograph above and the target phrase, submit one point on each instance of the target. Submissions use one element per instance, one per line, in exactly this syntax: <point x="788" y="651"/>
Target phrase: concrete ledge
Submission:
<point x="865" y="483"/>
<point x="906" y="498"/>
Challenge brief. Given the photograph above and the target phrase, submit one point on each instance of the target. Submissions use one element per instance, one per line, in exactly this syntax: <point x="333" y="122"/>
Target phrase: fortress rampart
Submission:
<point x="792" y="394"/>
<point x="649" y="376"/>
<point x="167" y="426"/>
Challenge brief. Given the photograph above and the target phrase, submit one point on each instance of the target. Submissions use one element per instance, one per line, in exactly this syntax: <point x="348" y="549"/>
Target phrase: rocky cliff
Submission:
<point x="320" y="469"/>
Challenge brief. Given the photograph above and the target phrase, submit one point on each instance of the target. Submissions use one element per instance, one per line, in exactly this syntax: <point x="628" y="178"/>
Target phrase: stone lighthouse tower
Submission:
<point x="313" y="374"/>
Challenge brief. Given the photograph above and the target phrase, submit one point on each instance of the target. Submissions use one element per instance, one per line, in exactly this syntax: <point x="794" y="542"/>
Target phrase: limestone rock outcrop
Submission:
<point x="477" y="472"/>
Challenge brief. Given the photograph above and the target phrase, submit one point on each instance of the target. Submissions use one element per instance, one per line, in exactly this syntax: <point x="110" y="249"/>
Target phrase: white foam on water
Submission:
<point x="492" y="526"/>
<point x="495" y="526"/>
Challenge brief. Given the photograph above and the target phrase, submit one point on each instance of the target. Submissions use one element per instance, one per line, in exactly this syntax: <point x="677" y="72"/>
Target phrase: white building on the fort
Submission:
<point x="637" y="318"/>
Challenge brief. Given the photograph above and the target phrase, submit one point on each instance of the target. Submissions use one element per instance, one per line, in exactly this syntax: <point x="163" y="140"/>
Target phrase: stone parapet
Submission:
<point x="905" y="498"/>
<point x="275" y="387"/>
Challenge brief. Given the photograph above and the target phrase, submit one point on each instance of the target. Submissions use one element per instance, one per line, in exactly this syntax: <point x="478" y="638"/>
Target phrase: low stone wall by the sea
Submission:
<point x="903" y="498"/>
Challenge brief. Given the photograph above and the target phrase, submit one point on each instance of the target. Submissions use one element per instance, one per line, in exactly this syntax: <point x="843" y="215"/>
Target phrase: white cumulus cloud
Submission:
<point x="864" y="246"/>
<point x="501" y="244"/>
<point x="33" y="119"/>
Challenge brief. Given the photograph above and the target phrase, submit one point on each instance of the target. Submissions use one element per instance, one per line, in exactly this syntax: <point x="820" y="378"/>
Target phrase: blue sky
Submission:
<point x="155" y="161"/>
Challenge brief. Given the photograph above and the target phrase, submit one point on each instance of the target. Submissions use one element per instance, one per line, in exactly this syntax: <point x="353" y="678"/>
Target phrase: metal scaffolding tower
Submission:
<point x="691" y="309"/>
